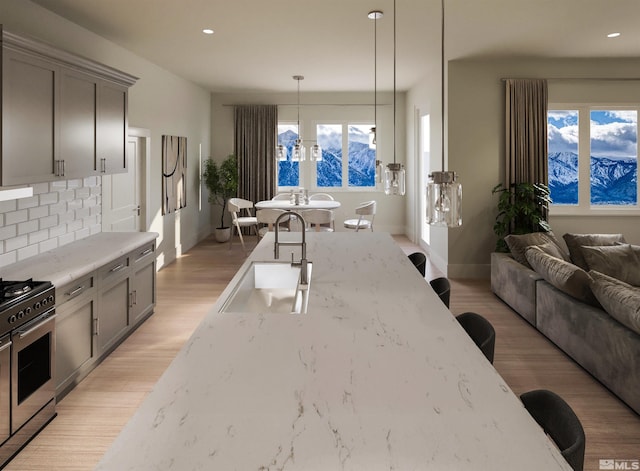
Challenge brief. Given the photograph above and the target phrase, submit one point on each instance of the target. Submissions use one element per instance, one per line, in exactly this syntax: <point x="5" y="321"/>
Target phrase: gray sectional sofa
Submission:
<point x="565" y="302"/>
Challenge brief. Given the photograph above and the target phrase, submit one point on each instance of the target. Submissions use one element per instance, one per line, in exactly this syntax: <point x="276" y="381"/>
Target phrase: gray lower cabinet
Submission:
<point x="113" y="303"/>
<point x="75" y="341"/>
<point x="143" y="282"/>
<point x="98" y="311"/>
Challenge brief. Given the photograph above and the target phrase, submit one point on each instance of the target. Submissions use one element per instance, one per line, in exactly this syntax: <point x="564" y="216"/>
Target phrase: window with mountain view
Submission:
<point x="611" y="156"/>
<point x="356" y="171"/>
<point x="288" y="171"/>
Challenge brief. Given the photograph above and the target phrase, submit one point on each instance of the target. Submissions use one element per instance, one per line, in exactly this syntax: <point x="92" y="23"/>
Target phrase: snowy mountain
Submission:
<point x="613" y="180"/>
<point x="361" y="165"/>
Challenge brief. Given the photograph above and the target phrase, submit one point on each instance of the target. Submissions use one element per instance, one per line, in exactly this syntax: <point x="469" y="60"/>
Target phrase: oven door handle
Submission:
<point x="5" y="346"/>
<point x="23" y="333"/>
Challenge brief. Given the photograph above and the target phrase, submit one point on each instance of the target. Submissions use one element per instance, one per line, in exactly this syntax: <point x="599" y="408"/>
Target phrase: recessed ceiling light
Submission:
<point x="613" y="35"/>
<point x="207" y="31"/>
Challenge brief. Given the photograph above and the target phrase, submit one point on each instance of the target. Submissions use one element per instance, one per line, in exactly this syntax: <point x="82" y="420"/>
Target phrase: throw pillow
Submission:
<point x="619" y="299"/>
<point x="563" y="275"/>
<point x="576" y="241"/>
<point x="617" y="261"/>
<point x="518" y="243"/>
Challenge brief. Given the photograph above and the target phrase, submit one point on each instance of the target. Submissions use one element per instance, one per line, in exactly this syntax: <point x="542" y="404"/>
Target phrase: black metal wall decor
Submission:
<point x="174" y="177"/>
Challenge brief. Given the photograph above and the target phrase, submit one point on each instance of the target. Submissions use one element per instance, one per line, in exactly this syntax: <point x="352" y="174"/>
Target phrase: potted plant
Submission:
<point x="522" y="208"/>
<point x="221" y="180"/>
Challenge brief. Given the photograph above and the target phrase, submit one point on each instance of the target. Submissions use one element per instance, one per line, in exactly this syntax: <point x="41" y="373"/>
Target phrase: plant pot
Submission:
<point x="222" y="234"/>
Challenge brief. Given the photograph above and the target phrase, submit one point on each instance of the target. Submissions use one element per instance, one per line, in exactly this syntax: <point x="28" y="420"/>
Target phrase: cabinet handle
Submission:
<point x="146" y="252"/>
<point x="75" y="291"/>
<point x="135" y="297"/>
<point x="58" y="168"/>
<point x="96" y="326"/>
<point x="103" y="165"/>
<point x="118" y="267"/>
<point x="63" y="169"/>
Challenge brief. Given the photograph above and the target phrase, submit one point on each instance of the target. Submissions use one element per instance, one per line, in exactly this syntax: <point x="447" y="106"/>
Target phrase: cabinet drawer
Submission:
<point x="144" y="254"/>
<point x="114" y="270"/>
<point x="75" y="289"/>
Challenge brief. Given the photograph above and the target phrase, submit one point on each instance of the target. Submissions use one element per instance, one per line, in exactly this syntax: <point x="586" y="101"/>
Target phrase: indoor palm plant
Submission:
<point x="522" y="208"/>
<point x="221" y="180"/>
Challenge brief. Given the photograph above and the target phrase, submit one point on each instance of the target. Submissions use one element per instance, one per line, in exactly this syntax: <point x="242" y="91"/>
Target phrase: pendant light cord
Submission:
<point x="375" y="78"/>
<point x="442" y="78"/>
<point x="394" y="82"/>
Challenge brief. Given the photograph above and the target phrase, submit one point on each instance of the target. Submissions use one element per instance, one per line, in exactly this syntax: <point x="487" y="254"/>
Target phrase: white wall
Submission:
<point x="476" y="147"/>
<point x="160" y="101"/>
<point x="390" y="209"/>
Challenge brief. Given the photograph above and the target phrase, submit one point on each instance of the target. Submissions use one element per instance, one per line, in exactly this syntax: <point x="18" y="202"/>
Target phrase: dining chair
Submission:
<point x="481" y="332"/>
<point x="281" y="196"/>
<point x="267" y="219"/>
<point x="364" y="210"/>
<point x="442" y="287"/>
<point x="321" y="197"/>
<point x="319" y="220"/>
<point x="235" y="207"/>
<point x="560" y="422"/>
<point x="419" y="260"/>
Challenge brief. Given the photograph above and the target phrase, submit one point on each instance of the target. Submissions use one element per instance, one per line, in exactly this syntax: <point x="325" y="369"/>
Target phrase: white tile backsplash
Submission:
<point x="60" y="212"/>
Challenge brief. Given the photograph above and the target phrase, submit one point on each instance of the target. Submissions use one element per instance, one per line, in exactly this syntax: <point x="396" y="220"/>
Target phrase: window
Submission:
<point x="288" y="171"/>
<point x="332" y="172"/>
<point x="593" y="157"/>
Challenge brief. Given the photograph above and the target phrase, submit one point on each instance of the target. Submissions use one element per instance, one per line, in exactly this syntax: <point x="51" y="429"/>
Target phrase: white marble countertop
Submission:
<point x="72" y="261"/>
<point x="377" y="375"/>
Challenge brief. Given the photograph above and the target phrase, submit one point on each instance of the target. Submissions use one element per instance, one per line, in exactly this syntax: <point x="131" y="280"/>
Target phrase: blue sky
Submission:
<point x="613" y="133"/>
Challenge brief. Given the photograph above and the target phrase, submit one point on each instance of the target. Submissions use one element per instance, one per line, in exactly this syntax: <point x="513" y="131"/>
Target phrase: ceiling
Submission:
<point x="258" y="45"/>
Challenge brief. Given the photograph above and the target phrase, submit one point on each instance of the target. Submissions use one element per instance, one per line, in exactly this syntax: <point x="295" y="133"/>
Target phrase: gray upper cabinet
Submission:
<point x="112" y="128"/>
<point x="28" y="109"/>
<point x="77" y="125"/>
<point x="63" y="116"/>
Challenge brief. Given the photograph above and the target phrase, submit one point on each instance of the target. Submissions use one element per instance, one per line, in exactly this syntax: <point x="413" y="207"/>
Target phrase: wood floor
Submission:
<point x="91" y="416"/>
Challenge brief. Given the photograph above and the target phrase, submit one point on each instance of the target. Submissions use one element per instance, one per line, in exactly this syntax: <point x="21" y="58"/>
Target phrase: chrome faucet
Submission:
<point x="303" y="244"/>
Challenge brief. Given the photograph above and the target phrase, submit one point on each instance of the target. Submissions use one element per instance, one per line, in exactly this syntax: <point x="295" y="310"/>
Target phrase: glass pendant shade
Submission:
<point x="444" y="200"/>
<point x="394" y="179"/>
<point x="298" y="152"/>
<point x="379" y="171"/>
<point x="316" y="153"/>
<point x="281" y="153"/>
<point x="372" y="138"/>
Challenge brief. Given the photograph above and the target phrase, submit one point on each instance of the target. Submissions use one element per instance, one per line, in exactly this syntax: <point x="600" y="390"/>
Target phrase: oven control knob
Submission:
<point x="37" y="305"/>
<point x="20" y="314"/>
<point x="12" y="319"/>
<point x="27" y="311"/>
<point x="51" y="298"/>
<point x="45" y="301"/>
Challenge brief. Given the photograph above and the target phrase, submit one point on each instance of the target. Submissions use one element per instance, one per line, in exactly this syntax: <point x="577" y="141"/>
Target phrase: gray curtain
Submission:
<point x="255" y="139"/>
<point x="526" y="131"/>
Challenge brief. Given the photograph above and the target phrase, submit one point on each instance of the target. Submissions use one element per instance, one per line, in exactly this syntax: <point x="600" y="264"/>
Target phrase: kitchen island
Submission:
<point x="376" y="375"/>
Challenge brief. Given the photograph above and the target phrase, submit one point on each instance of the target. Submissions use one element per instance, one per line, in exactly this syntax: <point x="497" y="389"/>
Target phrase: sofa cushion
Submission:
<point x="619" y="299"/>
<point x="563" y="275"/>
<point x="617" y="261"/>
<point x="576" y="241"/>
<point x="518" y="244"/>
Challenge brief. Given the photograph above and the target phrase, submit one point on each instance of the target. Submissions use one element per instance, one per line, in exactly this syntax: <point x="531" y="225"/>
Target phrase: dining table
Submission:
<point x="287" y="205"/>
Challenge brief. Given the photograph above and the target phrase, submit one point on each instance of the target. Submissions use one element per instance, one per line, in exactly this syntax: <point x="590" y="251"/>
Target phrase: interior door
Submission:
<point x="121" y="192"/>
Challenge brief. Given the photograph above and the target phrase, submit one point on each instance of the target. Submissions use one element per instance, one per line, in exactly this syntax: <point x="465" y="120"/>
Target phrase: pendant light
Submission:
<point x="298" y="152"/>
<point x="394" y="174"/>
<point x="444" y="193"/>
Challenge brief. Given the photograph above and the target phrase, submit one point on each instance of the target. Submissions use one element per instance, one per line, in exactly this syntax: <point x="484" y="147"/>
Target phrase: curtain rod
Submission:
<point x="306" y="104"/>
<point x="601" y="79"/>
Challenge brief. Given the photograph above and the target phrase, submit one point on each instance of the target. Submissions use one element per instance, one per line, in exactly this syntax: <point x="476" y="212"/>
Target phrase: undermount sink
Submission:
<point x="270" y="287"/>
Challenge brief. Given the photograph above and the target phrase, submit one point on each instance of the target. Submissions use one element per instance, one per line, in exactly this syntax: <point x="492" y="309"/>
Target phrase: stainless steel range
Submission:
<point x="27" y="362"/>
